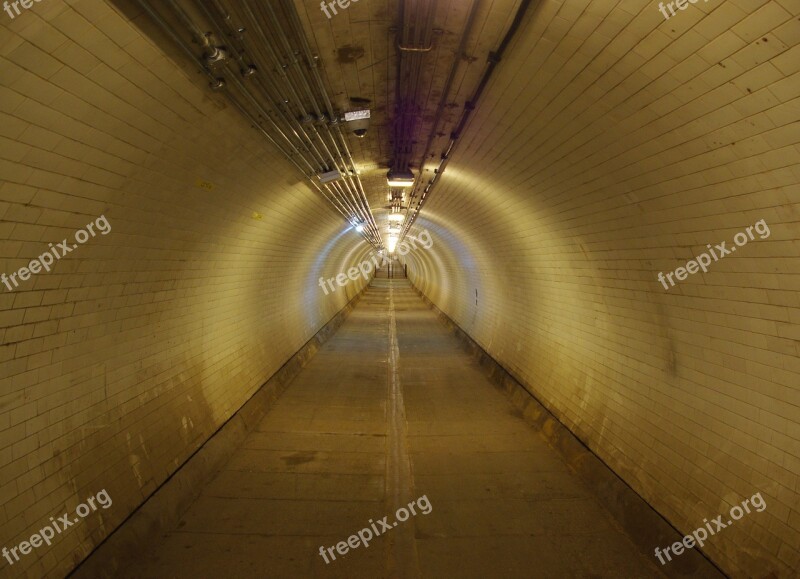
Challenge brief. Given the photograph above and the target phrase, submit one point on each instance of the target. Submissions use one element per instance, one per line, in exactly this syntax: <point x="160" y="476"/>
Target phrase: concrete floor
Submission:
<point x="389" y="410"/>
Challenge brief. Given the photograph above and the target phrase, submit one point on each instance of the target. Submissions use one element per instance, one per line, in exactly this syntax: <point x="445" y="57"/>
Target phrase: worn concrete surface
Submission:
<point x="332" y="455"/>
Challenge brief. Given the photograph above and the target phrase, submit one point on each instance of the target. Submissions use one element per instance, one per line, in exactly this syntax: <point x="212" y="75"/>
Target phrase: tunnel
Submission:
<point x="400" y="289"/>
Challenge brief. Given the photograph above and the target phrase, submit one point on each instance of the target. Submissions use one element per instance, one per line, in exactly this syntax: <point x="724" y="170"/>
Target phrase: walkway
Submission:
<point x="388" y="411"/>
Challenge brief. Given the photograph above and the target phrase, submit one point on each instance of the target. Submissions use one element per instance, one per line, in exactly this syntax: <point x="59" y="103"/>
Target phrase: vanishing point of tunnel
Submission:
<point x="399" y="289"/>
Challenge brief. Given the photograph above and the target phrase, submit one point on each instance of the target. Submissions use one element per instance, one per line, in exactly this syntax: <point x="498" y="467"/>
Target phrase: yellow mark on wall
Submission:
<point x="207" y="185"/>
<point x="257" y="216"/>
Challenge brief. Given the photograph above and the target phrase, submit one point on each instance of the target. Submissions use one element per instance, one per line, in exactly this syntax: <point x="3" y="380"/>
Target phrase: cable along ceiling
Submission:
<point x="258" y="55"/>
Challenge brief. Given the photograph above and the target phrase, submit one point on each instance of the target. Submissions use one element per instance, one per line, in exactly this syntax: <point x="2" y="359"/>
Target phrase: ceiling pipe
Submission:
<point x="290" y="54"/>
<point x="417" y="61"/>
<point x="352" y="200"/>
<point x="245" y="113"/>
<point x="355" y="187"/>
<point x="276" y="62"/>
<point x="442" y="103"/>
<point x="278" y="100"/>
<point x="327" y="162"/>
<point x="279" y="33"/>
<point x="291" y="121"/>
<point x="334" y="127"/>
<point x="361" y="209"/>
<point x="203" y="39"/>
<point x="400" y="116"/>
<point x="493" y="59"/>
<point x="294" y="19"/>
<point x="409" y="71"/>
<point x="347" y="196"/>
<point x="215" y="54"/>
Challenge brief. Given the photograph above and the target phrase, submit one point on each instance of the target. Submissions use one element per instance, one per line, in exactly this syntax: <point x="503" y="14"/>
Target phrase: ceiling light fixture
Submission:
<point x="358" y="122"/>
<point x="329" y="176"/>
<point x="400" y="178"/>
<point x="355" y="115"/>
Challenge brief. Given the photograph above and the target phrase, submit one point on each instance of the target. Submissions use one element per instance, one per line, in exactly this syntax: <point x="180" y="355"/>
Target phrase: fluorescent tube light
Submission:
<point x="329" y="176"/>
<point x="356" y="115"/>
<point x="400" y="178"/>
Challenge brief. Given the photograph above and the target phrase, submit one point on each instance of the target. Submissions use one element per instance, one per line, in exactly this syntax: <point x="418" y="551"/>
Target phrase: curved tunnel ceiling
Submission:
<point x="610" y="145"/>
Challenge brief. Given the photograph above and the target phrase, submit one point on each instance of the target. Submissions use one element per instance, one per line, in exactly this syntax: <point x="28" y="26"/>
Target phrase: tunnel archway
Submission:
<point x="613" y="226"/>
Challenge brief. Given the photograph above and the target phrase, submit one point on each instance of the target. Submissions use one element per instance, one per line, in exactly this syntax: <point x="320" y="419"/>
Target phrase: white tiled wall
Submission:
<point x="609" y="146"/>
<point x="116" y="365"/>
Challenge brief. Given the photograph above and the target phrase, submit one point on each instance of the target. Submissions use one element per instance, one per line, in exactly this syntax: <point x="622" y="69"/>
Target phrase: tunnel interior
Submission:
<point x="274" y="269"/>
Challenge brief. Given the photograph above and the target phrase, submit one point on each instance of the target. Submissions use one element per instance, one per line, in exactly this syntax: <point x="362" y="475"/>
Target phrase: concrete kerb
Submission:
<point x="642" y="523"/>
<point x="162" y="510"/>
